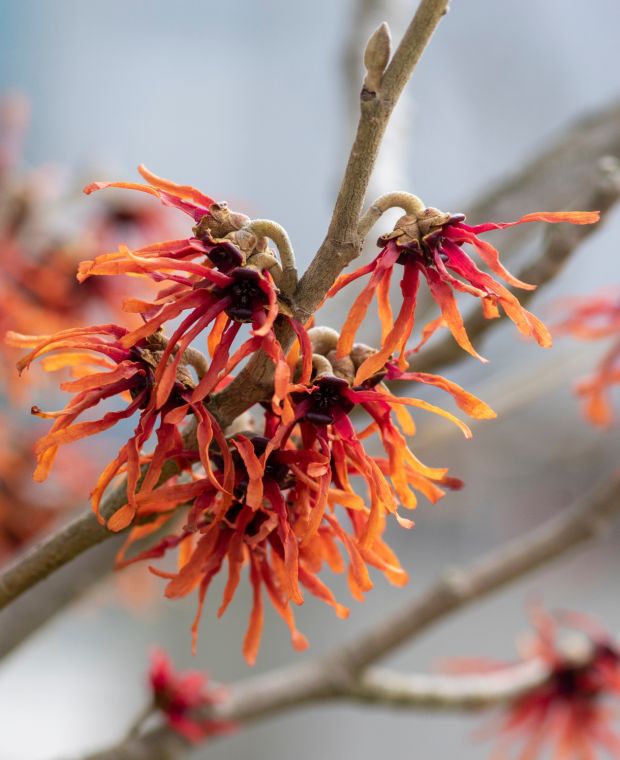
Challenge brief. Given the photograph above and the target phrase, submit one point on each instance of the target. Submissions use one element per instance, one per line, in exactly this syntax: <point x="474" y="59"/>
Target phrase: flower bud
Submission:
<point x="376" y="58"/>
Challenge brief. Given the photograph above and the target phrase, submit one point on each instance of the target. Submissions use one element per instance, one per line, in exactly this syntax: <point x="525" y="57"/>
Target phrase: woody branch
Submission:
<point x="378" y="687"/>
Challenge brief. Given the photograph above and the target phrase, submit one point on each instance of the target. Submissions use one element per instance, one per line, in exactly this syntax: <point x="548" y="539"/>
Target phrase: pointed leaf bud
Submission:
<point x="376" y="58"/>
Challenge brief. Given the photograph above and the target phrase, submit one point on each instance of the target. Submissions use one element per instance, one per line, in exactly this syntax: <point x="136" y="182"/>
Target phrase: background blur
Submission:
<point x="250" y="101"/>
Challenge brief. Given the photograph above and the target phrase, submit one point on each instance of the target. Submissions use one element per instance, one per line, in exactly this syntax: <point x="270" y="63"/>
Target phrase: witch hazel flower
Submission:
<point x="429" y="243"/>
<point x="105" y="367"/>
<point x="322" y="412"/>
<point x="270" y="518"/>
<point x="224" y="276"/>
<point x="181" y="697"/>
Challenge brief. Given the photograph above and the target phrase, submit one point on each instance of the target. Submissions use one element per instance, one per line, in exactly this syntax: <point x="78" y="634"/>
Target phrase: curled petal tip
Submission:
<point x="84" y="269"/>
<point x="299" y="641"/>
<point x="586" y="217"/>
<point x="404" y="522"/>
<point x="93" y="187"/>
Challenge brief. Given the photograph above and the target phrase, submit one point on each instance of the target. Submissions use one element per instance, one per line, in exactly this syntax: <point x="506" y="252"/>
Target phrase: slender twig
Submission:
<point x="377" y="687"/>
<point x="583" y="521"/>
<point x="342" y="243"/>
<point x="78" y="535"/>
<point x="42" y="602"/>
<point x="391" y="167"/>
<point x="339" y="674"/>
<point x="387" y="688"/>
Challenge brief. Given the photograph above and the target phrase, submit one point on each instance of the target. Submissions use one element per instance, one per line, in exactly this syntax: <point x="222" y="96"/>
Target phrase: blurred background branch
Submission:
<point x="559" y="176"/>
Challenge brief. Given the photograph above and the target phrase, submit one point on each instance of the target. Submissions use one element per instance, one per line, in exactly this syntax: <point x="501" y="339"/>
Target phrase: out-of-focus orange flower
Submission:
<point x="26" y="512"/>
<point x="21" y="519"/>
<point x="40" y="247"/>
<point x="569" y="714"/>
<point x="431" y="244"/>
<point x="42" y="238"/>
<point x="595" y="318"/>
<point x="181" y="696"/>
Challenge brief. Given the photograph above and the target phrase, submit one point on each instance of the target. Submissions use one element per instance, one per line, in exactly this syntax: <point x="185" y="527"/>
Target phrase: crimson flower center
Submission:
<point x="326" y="400"/>
<point x="246" y="294"/>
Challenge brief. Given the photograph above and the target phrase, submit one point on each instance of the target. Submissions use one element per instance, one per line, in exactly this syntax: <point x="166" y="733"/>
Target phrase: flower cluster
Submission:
<point x="594" y="319"/>
<point x="276" y="508"/>
<point x="280" y="494"/>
